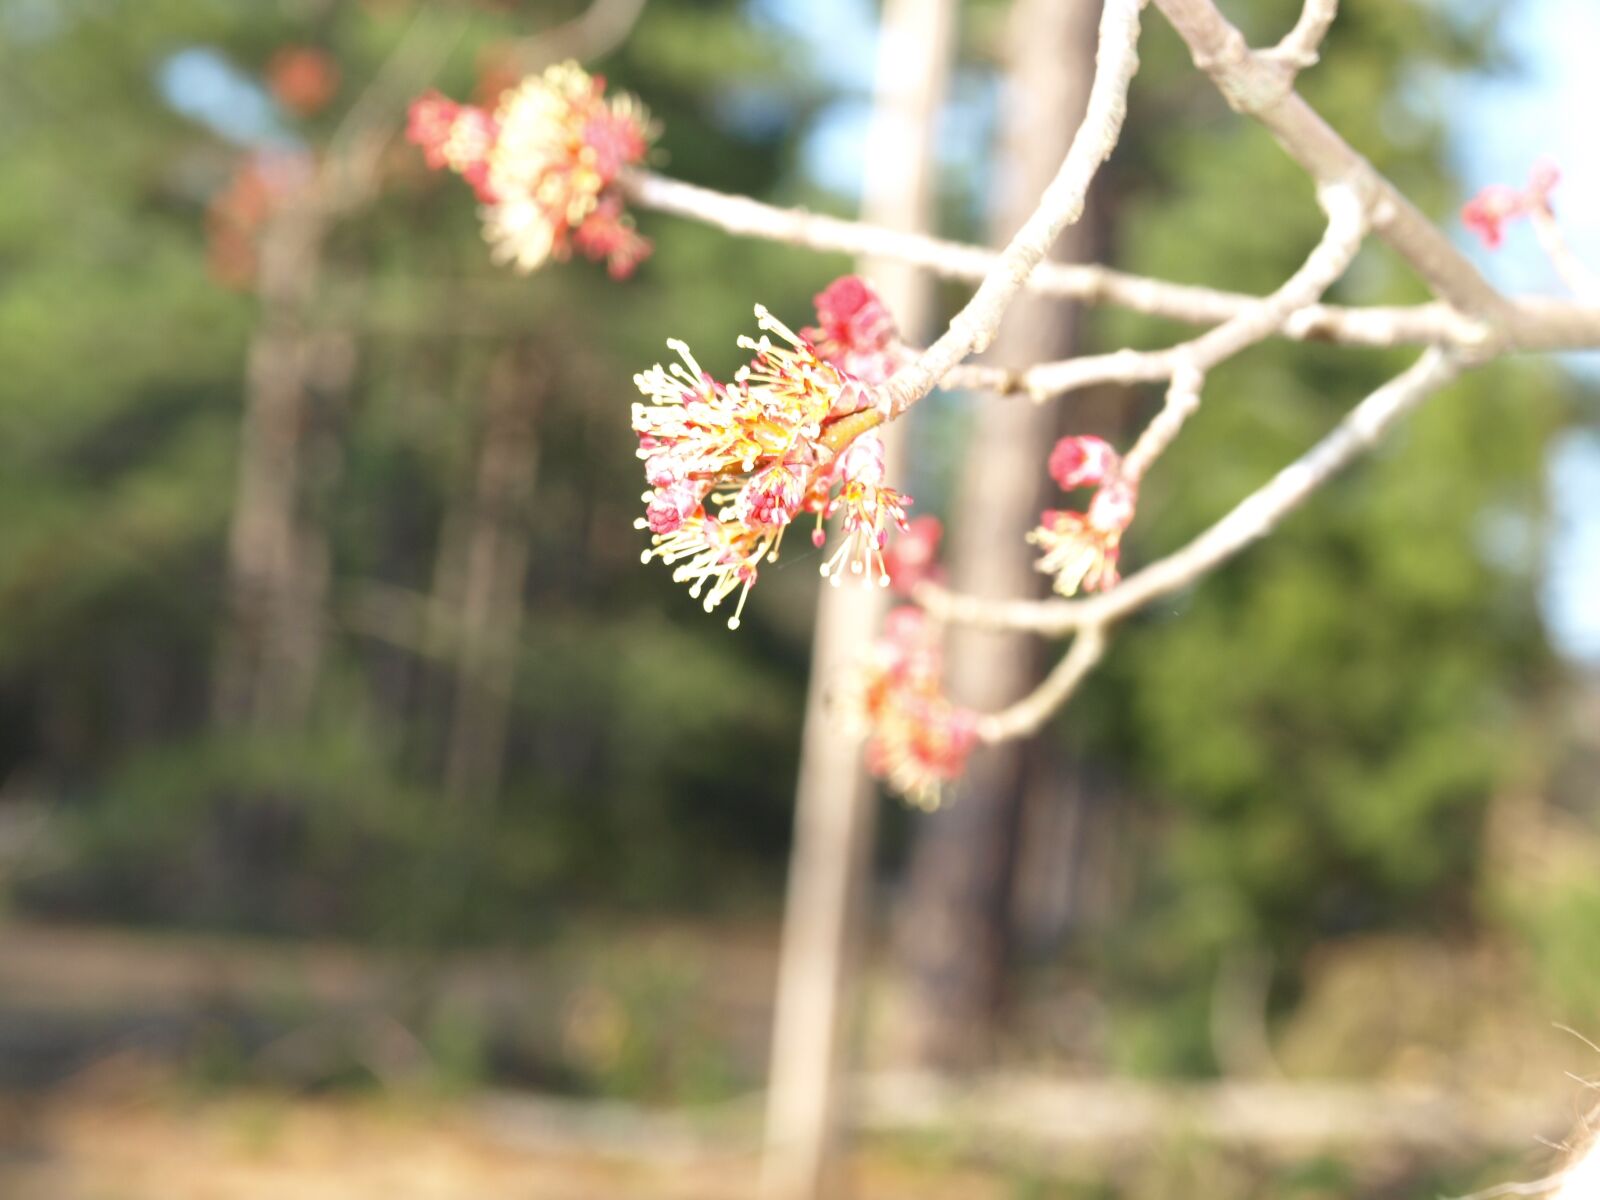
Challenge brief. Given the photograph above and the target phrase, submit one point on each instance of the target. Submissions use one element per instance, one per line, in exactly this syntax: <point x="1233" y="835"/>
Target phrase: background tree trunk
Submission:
<point x="832" y="854"/>
<point x="483" y="564"/>
<point x="953" y="927"/>
<point x="277" y="558"/>
<point x="277" y="570"/>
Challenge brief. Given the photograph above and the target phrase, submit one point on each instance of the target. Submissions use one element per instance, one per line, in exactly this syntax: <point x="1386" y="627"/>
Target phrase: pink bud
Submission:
<point x="1486" y="213"/>
<point x="458" y="136"/>
<point x="1083" y="462"/>
<point x="855" y="330"/>
<point x="606" y="234"/>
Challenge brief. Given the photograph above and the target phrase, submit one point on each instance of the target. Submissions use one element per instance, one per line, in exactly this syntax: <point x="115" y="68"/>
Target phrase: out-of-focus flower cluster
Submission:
<point x="917" y="741"/>
<point x="731" y="465"/>
<point x="545" y="164"/>
<point x="1486" y="213"/>
<point x="1081" y="549"/>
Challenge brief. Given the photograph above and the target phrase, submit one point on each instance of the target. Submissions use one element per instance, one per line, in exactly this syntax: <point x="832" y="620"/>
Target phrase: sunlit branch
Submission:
<point x="746" y="217"/>
<point x="1251" y="324"/>
<point x="1531" y="323"/>
<point x="1466" y="323"/>
<point x="1347" y="226"/>
<point x="1262" y="87"/>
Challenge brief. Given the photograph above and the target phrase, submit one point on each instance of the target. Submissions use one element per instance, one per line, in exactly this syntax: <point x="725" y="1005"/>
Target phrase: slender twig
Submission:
<point x="746" y="217"/>
<point x="1181" y="402"/>
<point x="1027" y="715"/>
<point x="1251" y="324"/>
<point x="1575" y="273"/>
<point x="1347" y="225"/>
<point x="1252" y="519"/>
<point x="1300" y="45"/>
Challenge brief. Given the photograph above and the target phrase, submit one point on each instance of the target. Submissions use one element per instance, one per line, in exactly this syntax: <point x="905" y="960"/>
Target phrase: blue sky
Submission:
<point x="1502" y="126"/>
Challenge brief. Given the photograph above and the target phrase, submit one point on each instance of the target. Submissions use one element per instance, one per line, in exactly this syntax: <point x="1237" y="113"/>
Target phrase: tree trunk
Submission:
<point x="483" y="564"/>
<point x="278" y="563"/>
<point x="953" y="926"/>
<point x="832" y="853"/>
<point x="277" y="559"/>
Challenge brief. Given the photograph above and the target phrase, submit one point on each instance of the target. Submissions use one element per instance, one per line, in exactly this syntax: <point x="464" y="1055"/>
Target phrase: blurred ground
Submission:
<point x="243" y="1149"/>
<point x="104" y="1142"/>
<point x="137" y="1066"/>
<point x="87" y="1145"/>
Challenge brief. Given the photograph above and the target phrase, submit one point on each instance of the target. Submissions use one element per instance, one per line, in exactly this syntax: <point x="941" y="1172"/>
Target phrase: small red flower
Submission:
<point x="870" y="510"/>
<point x="1083" y="462"/>
<point x="608" y="233"/>
<point x="855" y="330"/>
<point x="1487" y="213"/>
<point x="1082" y="550"/>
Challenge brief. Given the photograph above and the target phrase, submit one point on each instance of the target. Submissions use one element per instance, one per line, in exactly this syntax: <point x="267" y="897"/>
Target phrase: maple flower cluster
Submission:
<point x="1486" y="213"/>
<point x="1081" y="549"/>
<point x="917" y="741"/>
<point x="545" y="165"/>
<point x="731" y="465"/>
